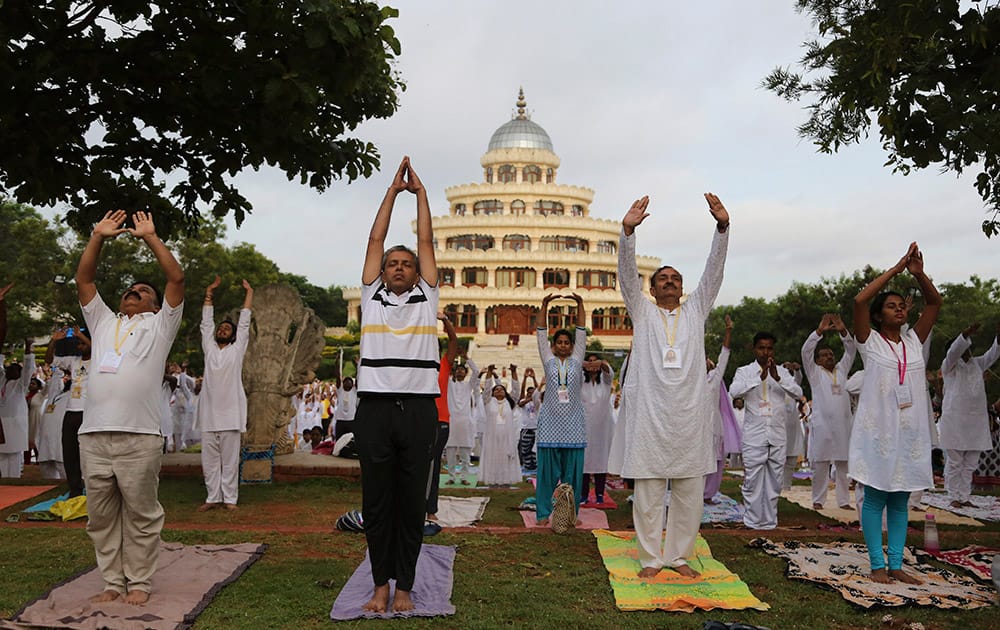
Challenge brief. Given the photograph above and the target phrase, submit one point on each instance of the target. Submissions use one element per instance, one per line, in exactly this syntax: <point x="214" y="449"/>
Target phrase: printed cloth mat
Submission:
<point x="716" y="588"/>
<point x="724" y="509"/>
<point x="845" y="568"/>
<point x="187" y="579"/>
<point x="608" y="504"/>
<point x="431" y="592"/>
<point x="589" y="519"/>
<point x="802" y="495"/>
<point x="973" y="558"/>
<point x="12" y="495"/>
<point x="987" y="508"/>
<point x="460" y="511"/>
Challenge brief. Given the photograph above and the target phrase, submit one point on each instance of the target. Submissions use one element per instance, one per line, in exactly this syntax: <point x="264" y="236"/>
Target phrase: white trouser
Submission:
<point x="52" y="470"/>
<point x="763" y="467"/>
<point x="682" y="520"/>
<point x="788" y="470"/>
<point x="456" y="455"/>
<point x="821" y="479"/>
<point x="10" y="465"/>
<point x="958" y="469"/>
<point x="220" y="461"/>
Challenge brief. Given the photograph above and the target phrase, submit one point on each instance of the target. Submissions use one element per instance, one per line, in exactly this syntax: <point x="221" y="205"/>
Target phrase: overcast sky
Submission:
<point x="657" y="98"/>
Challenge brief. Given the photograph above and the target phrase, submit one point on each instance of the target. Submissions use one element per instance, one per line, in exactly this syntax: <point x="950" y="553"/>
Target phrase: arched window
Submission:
<point x="487" y="207"/>
<point x="555" y="278"/>
<point x="562" y="317"/>
<point x="462" y="316"/>
<point x="549" y="175"/>
<point x="545" y="208"/>
<point x="517" y="207"/>
<point x="474" y="277"/>
<point x="595" y="279"/>
<point x="613" y="320"/>
<point x="532" y="174"/>
<point x="512" y="278"/>
<point x="607" y="247"/>
<point x="469" y="241"/>
<point x="516" y="242"/>
<point x="577" y="210"/>
<point x="460" y="209"/>
<point x="489" y="175"/>
<point x="563" y="244"/>
<point x="446" y="276"/>
<point x="506" y="174"/>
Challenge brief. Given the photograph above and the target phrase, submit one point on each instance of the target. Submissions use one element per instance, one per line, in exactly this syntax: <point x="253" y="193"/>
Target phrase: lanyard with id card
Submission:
<point x="563" y="379"/>
<point x="904" y="397"/>
<point x="672" y="355"/>
<point x="112" y="359"/>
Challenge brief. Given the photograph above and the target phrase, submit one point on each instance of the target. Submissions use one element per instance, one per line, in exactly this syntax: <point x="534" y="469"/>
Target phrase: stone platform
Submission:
<point x="286" y="467"/>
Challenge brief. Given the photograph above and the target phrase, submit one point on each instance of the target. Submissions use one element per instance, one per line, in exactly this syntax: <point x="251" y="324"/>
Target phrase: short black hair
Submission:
<point x="156" y="290"/>
<point x="563" y="332"/>
<point x="399" y="248"/>
<point x="652" y="278"/>
<point x="876" y="308"/>
<point x="820" y="346"/>
<point x="762" y="336"/>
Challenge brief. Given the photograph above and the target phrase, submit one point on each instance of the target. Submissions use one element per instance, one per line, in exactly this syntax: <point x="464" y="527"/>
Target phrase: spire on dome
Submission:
<point x="521" y="104"/>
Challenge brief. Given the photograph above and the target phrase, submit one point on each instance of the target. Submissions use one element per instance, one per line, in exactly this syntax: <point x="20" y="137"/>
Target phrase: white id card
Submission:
<point x="563" y="396"/>
<point x="903" y="398"/>
<point x="110" y="362"/>
<point x="764" y="409"/>
<point x="836" y="389"/>
<point x="672" y="358"/>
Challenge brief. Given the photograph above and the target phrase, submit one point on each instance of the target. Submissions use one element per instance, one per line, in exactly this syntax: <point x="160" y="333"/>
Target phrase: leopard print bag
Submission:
<point x="563" y="517"/>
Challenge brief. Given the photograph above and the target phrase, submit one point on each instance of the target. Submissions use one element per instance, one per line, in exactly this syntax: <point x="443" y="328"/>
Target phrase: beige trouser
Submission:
<point x="683" y="520"/>
<point x="121" y="472"/>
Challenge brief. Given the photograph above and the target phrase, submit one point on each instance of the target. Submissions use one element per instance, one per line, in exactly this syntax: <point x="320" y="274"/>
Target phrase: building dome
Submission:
<point x="520" y="133"/>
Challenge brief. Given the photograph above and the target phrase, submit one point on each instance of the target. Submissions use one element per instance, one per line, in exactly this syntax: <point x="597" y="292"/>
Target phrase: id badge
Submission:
<point x="903" y="398"/>
<point x="110" y="362"/>
<point x="764" y="409"/>
<point x="672" y="358"/>
<point x="836" y="389"/>
<point x="563" y="396"/>
<point x="50" y="408"/>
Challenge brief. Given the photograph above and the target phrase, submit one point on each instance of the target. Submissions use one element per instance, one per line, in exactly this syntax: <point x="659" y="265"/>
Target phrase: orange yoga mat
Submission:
<point x="11" y="495"/>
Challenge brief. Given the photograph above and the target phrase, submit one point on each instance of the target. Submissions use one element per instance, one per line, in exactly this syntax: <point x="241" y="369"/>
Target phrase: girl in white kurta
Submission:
<point x="597" y="407"/>
<point x="498" y="463"/>
<point x="48" y="439"/>
<point x="890" y="449"/>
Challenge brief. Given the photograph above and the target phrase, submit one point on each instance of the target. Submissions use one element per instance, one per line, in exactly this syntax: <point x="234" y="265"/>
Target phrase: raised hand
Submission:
<point x="143" y="222"/>
<point x="5" y="290"/>
<point x="399" y="182"/>
<point x="826" y="323"/>
<point x="636" y="214"/>
<point x="838" y="323"/>
<point x="215" y="285"/>
<point x="972" y="329"/>
<point x="904" y="261"/>
<point x="717" y="209"/>
<point x="111" y="225"/>
<point x="413" y="183"/>
<point x="577" y="298"/>
<point x="915" y="264"/>
<point x="246" y="286"/>
<point x="729" y="322"/>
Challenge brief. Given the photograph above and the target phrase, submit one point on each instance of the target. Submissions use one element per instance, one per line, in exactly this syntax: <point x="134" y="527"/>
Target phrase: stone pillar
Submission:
<point x="480" y="318"/>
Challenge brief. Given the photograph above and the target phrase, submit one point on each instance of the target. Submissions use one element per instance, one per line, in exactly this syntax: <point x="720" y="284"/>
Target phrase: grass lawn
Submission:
<point x="514" y="579"/>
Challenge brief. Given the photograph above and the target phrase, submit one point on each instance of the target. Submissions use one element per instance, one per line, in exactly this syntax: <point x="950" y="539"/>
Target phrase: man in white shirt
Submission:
<point x="964" y="423"/>
<point x="344" y="408"/>
<point x="77" y="366"/>
<point x="764" y="386"/>
<point x="120" y="439"/>
<point x="222" y="404"/>
<point x="669" y="433"/>
<point x="14" y="381"/>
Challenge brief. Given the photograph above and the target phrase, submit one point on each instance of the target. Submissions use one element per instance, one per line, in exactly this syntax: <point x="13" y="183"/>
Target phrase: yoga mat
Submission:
<point x="589" y="519"/>
<point x="986" y="508"/>
<point x="12" y="495"/>
<point x="460" y="511"/>
<point x="845" y="568"/>
<point x="609" y="502"/>
<point x="715" y="588"/>
<point x="431" y="592"/>
<point x="444" y="481"/>
<point x="975" y="559"/>
<point x="187" y="579"/>
<point x="725" y="509"/>
<point x="45" y="506"/>
<point x="802" y="495"/>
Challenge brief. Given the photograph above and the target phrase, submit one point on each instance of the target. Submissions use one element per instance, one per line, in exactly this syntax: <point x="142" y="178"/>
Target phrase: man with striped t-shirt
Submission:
<point x="395" y="425"/>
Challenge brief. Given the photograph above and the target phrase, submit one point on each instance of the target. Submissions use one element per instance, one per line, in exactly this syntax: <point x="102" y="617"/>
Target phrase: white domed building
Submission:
<point x="517" y="236"/>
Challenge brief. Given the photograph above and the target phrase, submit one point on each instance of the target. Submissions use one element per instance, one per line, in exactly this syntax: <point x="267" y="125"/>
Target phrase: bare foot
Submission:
<point x="648" y="572"/>
<point x="847" y="507"/>
<point x="105" y="596"/>
<point x="902" y="576"/>
<point x="709" y="501"/>
<point x="917" y="508"/>
<point x="204" y="507"/>
<point x="379" y="602"/>
<point x="880" y="576"/>
<point x="817" y="506"/>
<point x="686" y="571"/>
<point x="432" y="517"/>
<point x="136" y="598"/>
<point x="543" y="523"/>
<point x="968" y="504"/>
<point x="230" y="506"/>
<point x="956" y="503"/>
<point x="402" y="602"/>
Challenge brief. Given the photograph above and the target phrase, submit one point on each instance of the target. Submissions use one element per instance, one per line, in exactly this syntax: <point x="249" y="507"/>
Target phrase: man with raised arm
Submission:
<point x="120" y="440"/>
<point x="222" y="407"/>
<point x="395" y="426"/>
<point x="14" y="381"/>
<point x="669" y="432"/>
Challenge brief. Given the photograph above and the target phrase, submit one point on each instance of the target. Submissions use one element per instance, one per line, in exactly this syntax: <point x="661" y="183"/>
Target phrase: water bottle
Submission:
<point x="931" y="543"/>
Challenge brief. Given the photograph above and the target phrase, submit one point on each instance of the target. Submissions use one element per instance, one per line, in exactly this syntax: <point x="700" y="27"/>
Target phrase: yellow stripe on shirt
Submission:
<point x="410" y="330"/>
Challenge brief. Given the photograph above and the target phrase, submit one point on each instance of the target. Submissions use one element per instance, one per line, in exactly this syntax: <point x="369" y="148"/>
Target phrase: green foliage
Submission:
<point x="328" y="304"/>
<point x="104" y="100"/>
<point x="925" y="71"/>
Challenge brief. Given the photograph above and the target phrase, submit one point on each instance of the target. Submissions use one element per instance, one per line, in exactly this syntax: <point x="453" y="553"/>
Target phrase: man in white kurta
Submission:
<point x="14" y="380"/>
<point x="462" y="431"/>
<point x="964" y="423"/>
<point x="765" y="387"/>
<point x="830" y="423"/>
<point x="669" y="430"/>
<point x="222" y="404"/>
<point x="795" y="437"/>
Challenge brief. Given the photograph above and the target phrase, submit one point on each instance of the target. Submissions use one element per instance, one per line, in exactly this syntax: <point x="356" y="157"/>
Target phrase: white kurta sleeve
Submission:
<point x="955" y="352"/>
<point x="743" y="382"/>
<point x="715" y="267"/>
<point x="990" y="357"/>
<point x="207" y="326"/>
<point x="243" y="330"/>
<point x="850" y="351"/>
<point x="808" y="356"/>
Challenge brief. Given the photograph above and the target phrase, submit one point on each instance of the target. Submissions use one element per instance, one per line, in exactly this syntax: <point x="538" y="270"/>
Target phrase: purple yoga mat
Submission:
<point x="431" y="590"/>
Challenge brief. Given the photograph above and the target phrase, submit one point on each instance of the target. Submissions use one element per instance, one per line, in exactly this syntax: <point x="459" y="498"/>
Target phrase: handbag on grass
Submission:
<point x="563" y="517"/>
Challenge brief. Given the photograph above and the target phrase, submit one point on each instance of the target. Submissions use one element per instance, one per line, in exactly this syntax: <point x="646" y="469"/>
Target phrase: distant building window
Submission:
<point x="555" y="278"/>
<point x="563" y="244"/>
<point x="577" y="210"/>
<point x="549" y="175"/>
<point x="469" y="241"/>
<point x="512" y="278"/>
<point x="462" y="316"/>
<point x="532" y="174"/>
<point x="561" y="317"/>
<point x="474" y="277"/>
<point x="607" y="247"/>
<point x="517" y="207"/>
<point x="506" y="174"/>
<point x="613" y="320"/>
<point x="460" y="209"/>
<point x="489" y="175"/>
<point x="595" y="279"/>
<point x="446" y="277"/>
<point x="516" y="242"/>
<point x="545" y="208"/>
<point x="487" y="207"/>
